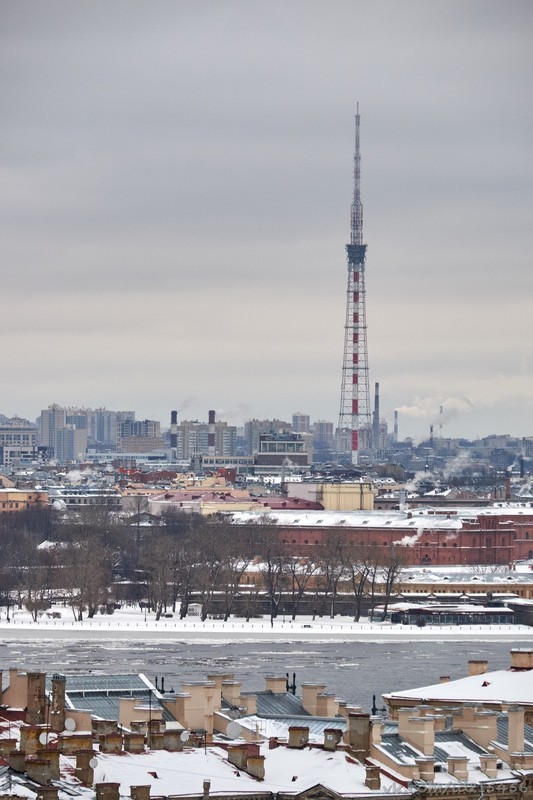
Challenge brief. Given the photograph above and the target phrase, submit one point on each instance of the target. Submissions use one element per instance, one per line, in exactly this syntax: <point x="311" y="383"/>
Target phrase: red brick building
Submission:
<point x="478" y="536"/>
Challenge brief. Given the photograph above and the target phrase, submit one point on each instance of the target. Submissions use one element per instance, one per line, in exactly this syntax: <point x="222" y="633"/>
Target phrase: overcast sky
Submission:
<point x="176" y="188"/>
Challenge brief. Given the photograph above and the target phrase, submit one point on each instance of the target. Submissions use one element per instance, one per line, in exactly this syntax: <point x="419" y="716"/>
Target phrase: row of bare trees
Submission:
<point x="98" y="560"/>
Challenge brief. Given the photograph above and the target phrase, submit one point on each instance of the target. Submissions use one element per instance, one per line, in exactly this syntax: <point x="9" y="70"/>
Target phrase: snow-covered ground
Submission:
<point x="130" y="622"/>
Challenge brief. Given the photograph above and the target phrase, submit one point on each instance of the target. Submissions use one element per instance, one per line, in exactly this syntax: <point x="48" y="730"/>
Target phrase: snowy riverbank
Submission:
<point x="130" y="623"/>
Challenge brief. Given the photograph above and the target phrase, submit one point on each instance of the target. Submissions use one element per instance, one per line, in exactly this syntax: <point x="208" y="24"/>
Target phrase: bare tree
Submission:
<point x="273" y="564"/>
<point x="331" y="573"/>
<point x="299" y="571"/>
<point x="86" y="577"/>
<point x="359" y="561"/>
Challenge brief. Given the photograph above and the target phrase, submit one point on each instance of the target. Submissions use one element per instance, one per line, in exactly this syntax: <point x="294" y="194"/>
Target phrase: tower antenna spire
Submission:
<point x="356" y="227"/>
<point x="355" y="429"/>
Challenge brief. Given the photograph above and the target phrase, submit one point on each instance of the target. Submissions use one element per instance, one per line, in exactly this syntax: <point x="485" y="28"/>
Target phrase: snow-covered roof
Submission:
<point x="286" y="770"/>
<point x="350" y="519"/>
<point x="501" y="686"/>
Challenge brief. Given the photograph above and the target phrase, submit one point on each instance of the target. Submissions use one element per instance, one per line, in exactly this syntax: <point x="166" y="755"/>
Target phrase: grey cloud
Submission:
<point x="184" y="169"/>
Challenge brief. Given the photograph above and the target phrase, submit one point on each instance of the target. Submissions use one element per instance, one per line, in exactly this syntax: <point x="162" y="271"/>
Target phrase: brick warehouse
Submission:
<point x="457" y="537"/>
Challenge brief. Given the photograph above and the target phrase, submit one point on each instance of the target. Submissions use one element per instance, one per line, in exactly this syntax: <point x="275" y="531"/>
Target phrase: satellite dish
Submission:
<point x="70" y="724"/>
<point x="93" y="763"/>
<point x="184" y="736"/>
<point x="234" y="730"/>
<point x="44" y="737"/>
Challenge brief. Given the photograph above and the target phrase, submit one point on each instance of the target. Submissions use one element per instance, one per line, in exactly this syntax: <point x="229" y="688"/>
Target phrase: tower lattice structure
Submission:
<point x="355" y="415"/>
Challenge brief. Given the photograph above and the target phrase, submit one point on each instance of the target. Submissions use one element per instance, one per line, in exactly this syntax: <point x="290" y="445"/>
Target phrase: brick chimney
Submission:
<point x="358" y="735"/>
<point x="277" y="684"/>
<point x="310" y="692"/>
<point x="44" y="768"/>
<point x="477" y="667"/>
<point x="237" y="755"/>
<point x="35" y="698"/>
<point x="103" y="726"/>
<point x="110" y="743"/>
<point x="521" y="659"/>
<point x="255" y="766"/>
<point x="57" y="709"/>
<point x="48" y="793"/>
<point x="29" y="738"/>
<point x="418" y="731"/>
<point x="84" y="772"/>
<point x="140" y="792"/>
<point x="421" y="734"/>
<point x="332" y="737"/>
<point x="326" y="705"/>
<point x="458" y="767"/>
<point x="248" y="758"/>
<point x="134" y="742"/>
<point x="298" y="736"/>
<point x="488" y="765"/>
<point x="206" y="787"/>
<point x="481" y="726"/>
<point x="515" y="729"/>
<point x="376" y="729"/>
<point x="231" y="691"/>
<point x="426" y="768"/>
<point x="6" y="746"/>
<point x="373" y="777"/>
<point x="107" y="791"/>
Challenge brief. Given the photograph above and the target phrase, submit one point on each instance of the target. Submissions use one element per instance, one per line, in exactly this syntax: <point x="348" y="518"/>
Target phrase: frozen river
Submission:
<point x="354" y="671"/>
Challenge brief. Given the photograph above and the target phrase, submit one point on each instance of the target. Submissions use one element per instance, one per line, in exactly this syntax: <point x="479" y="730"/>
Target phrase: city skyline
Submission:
<point x="178" y="181"/>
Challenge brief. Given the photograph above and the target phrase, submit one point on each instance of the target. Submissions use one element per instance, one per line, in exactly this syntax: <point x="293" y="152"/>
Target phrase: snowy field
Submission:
<point x="131" y="623"/>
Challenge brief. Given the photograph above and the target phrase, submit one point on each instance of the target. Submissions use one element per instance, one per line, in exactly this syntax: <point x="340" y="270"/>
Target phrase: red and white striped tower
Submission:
<point x="211" y="434"/>
<point x="355" y="391"/>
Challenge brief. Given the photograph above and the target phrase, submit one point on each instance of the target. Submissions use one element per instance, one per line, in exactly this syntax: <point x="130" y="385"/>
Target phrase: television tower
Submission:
<point x="355" y="391"/>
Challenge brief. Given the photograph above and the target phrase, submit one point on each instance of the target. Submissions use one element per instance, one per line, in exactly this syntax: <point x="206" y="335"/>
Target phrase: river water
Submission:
<point x="354" y="671"/>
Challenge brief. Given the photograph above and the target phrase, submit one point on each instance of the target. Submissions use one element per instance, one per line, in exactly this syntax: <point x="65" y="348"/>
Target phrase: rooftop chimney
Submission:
<point x="521" y="659"/>
<point x="211" y="450"/>
<point x="174" y="433"/>
<point x="515" y="729"/>
<point x="375" y="420"/>
<point x="477" y="667"/>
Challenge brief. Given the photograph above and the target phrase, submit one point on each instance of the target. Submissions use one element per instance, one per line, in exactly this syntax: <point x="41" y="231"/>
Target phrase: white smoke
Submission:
<point x="76" y="476"/>
<point x="240" y="412"/>
<point x="421" y="477"/>
<point x="436" y="409"/>
<point x="457" y="466"/>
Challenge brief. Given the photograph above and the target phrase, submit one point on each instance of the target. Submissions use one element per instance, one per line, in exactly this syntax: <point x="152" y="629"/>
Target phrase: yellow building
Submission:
<point x="20" y="500"/>
<point x="342" y="496"/>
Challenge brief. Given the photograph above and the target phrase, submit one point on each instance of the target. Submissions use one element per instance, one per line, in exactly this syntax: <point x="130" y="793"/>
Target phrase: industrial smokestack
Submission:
<point x="211" y="434"/>
<point x="441" y="416"/>
<point x="174" y="433"/>
<point x="396" y="425"/>
<point x="431" y="435"/>
<point x="375" y="421"/>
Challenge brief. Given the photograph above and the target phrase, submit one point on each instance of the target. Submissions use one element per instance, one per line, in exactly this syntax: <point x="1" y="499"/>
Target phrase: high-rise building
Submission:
<point x="192" y="438"/>
<point x="354" y="415"/>
<point x="323" y="440"/>
<point x="70" y="444"/>
<point x="253" y="428"/>
<point x="139" y="436"/>
<point x="301" y="423"/>
<point x="52" y="419"/>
